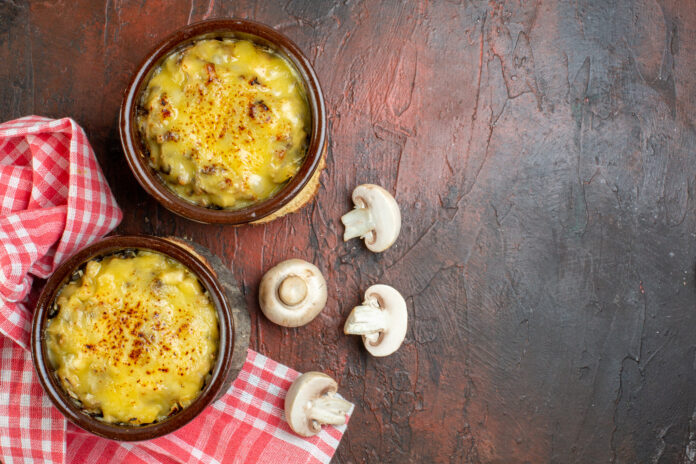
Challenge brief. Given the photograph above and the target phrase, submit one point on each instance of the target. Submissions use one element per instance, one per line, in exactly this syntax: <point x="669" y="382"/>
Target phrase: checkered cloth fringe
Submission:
<point x="54" y="200"/>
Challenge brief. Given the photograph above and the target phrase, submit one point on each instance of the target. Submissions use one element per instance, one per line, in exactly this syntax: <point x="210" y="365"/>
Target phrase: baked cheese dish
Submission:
<point x="134" y="337"/>
<point x="226" y="122"/>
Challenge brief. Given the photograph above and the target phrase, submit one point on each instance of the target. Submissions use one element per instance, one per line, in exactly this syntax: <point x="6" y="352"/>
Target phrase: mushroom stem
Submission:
<point x="329" y="409"/>
<point x="292" y="291"/>
<point x="358" y="223"/>
<point x="368" y="320"/>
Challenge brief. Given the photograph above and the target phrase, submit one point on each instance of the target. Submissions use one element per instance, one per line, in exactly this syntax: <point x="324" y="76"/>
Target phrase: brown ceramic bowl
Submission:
<point x="233" y="329"/>
<point x="137" y="154"/>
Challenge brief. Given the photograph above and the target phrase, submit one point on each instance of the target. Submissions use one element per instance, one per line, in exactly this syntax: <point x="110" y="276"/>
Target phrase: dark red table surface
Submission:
<point x="543" y="156"/>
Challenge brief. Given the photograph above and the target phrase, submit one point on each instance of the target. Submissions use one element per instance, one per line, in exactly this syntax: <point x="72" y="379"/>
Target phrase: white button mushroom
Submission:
<point x="382" y="320"/>
<point x="292" y="293"/>
<point x="312" y="402"/>
<point x="376" y="218"/>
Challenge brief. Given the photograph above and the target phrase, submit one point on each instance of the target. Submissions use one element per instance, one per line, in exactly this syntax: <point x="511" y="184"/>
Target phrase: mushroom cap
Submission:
<point x="292" y="293"/>
<point x="385" y="215"/>
<point x="306" y="388"/>
<point x="390" y="301"/>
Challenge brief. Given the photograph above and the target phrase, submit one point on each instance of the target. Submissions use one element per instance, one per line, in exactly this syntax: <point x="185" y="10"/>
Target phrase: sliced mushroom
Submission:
<point x="376" y="218"/>
<point x="312" y="402"/>
<point x="382" y="320"/>
<point x="292" y="293"/>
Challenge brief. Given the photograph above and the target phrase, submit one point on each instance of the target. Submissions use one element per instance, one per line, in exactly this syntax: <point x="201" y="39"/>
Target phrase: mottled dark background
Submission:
<point x="543" y="156"/>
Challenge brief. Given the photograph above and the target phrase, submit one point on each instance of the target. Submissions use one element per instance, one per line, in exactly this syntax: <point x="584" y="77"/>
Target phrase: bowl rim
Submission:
<point x="221" y="369"/>
<point x="148" y="178"/>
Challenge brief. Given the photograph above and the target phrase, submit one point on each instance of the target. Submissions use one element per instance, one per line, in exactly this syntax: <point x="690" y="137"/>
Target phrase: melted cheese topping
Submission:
<point x="134" y="339"/>
<point x="226" y="122"/>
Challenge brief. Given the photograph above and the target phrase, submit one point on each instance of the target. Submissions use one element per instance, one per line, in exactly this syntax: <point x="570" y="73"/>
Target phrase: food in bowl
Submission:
<point x="133" y="337"/>
<point x="226" y="122"/>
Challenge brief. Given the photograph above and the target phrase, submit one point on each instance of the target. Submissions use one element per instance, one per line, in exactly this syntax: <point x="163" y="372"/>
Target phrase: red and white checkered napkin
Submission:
<point x="53" y="201"/>
<point x="247" y="425"/>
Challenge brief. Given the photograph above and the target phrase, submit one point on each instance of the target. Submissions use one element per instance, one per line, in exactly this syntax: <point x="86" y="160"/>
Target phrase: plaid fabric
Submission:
<point x="31" y="429"/>
<point x="247" y="425"/>
<point x="53" y="201"/>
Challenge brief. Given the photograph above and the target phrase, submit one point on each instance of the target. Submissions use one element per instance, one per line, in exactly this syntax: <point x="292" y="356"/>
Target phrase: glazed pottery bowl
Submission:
<point x="233" y="327"/>
<point x="296" y="192"/>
